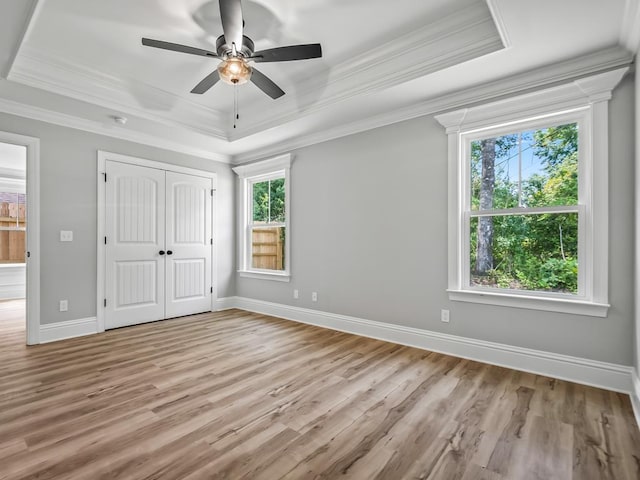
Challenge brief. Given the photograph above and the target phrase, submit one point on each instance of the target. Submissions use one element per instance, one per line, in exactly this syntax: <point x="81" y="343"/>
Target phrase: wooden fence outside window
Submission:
<point x="268" y="248"/>
<point x="12" y="232"/>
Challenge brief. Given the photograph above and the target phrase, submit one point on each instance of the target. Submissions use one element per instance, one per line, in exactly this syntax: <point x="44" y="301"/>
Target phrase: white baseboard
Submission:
<point x="226" y="303"/>
<point x="635" y="395"/>
<point x="579" y="370"/>
<point x="71" y="328"/>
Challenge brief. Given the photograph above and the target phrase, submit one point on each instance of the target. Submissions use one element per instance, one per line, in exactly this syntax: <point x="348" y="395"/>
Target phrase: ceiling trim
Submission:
<point x="36" y="7"/>
<point x="555" y="74"/>
<point x="70" y="121"/>
<point x="630" y="31"/>
<point x="499" y="21"/>
<point x="463" y="35"/>
<point x="56" y="75"/>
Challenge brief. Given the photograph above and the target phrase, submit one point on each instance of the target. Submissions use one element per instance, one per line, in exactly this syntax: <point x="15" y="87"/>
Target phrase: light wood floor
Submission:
<point x="236" y="395"/>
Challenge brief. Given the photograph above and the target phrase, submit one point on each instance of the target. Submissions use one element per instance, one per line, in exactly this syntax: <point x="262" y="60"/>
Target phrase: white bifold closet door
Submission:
<point x="158" y="244"/>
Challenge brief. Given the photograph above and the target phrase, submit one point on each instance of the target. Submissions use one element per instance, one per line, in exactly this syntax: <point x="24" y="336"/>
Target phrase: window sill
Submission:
<point x="278" y="277"/>
<point x="559" y="305"/>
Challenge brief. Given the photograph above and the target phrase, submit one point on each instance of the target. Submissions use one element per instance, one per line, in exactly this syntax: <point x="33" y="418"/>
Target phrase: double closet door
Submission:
<point x="158" y="244"/>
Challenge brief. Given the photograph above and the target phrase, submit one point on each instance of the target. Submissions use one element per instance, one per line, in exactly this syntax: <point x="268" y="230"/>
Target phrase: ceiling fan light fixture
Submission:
<point x="234" y="71"/>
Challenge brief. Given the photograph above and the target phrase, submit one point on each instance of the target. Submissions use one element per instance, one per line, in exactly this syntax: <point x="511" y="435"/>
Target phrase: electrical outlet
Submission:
<point x="314" y="296"/>
<point x="444" y="316"/>
<point x="296" y="293"/>
<point x="66" y="236"/>
<point x="64" y="305"/>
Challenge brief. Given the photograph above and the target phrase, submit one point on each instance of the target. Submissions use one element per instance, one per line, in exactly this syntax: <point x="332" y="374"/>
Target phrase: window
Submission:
<point x="265" y="219"/>
<point x="522" y="210"/>
<point x="12" y="224"/>
<point x="528" y="199"/>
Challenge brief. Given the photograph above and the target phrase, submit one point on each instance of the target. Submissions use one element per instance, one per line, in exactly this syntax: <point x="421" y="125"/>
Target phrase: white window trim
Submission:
<point x="264" y="170"/>
<point x="584" y="100"/>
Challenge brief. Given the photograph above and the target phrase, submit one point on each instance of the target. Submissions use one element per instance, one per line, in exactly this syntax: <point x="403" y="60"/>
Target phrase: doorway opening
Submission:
<point x="19" y="239"/>
<point x="13" y="229"/>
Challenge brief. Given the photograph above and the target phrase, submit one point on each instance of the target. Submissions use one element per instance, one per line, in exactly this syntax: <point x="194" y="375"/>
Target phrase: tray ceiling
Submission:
<point x="378" y="57"/>
<point x="91" y="51"/>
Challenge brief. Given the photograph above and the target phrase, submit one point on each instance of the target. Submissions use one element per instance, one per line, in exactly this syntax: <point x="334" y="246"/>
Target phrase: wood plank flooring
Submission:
<point x="236" y="395"/>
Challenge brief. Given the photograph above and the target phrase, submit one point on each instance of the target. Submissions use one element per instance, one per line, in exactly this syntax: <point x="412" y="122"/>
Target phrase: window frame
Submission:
<point x="584" y="101"/>
<point x="275" y="168"/>
<point x="582" y="208"/>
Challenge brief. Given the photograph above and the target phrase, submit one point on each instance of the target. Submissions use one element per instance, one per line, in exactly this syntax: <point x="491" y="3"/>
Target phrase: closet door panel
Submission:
<point x="135" y="230"/>
<point x="188" y="238"/>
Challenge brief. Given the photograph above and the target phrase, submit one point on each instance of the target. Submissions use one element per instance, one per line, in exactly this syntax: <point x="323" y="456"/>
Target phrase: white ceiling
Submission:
<point x="80" y="63"/>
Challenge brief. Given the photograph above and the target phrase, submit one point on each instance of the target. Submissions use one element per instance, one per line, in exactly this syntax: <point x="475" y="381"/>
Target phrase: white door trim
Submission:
<point x="103" y="156"/>
<point x="33" y="232"/>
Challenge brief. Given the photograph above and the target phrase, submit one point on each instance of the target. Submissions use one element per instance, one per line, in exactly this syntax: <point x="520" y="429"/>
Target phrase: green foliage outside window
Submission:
<point x="268" y="201"/>
<point x="530" y="169"/>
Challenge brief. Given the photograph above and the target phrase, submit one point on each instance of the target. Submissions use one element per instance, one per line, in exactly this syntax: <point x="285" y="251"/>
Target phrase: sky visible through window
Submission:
<point x="515" y="249"/>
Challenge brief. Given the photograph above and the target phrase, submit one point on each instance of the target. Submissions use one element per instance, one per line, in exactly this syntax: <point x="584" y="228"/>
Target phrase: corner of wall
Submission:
<point x="635" y="395"/>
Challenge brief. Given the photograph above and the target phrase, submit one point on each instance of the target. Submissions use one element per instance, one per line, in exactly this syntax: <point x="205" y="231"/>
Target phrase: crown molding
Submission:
<point x="62" y="119"/>
<point x="552" y="75"/>
<point x="34" y="11"/>
<point x="499" y="21"/>
<point x="630" y="31"/>
<point x="88" y="84"/>
<point x="463" y="35"/>
<point x="460" y="36"/>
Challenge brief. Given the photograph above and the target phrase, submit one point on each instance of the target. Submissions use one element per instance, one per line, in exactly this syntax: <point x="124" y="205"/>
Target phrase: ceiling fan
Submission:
<point x="236" y="51"/>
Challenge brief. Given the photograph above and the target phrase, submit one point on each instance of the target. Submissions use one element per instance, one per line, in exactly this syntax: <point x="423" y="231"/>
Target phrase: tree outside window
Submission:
<point x="524" y="212"/>
<point x="268" y="229"/>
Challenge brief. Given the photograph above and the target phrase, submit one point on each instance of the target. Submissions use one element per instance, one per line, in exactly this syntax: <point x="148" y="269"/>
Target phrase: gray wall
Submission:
<point x="369" y="234"/>
<point x="68" y="169"/>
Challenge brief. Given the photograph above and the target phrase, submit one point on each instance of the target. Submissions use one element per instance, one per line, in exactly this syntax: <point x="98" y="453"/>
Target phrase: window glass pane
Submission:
<point x="22" y="208"/>
<point x="525" y="252"/>
<point x="267" y="248"/>
<point x="12" y="224"/>
<point x="532" y="168"/>
<point x="260" y="202"/>
<point x="277" y="200"/>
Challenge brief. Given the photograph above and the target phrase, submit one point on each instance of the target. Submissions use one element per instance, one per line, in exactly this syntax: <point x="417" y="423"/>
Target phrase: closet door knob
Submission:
<point x="161" y="252"/>
<point x="169" y="252"/>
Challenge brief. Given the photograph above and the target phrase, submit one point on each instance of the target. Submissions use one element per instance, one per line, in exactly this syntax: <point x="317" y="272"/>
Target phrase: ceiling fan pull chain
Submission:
<point x="235" y="104"/>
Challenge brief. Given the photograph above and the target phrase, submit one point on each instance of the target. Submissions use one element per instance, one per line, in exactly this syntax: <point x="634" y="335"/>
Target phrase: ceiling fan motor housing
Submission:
<point x="224" y="50"/>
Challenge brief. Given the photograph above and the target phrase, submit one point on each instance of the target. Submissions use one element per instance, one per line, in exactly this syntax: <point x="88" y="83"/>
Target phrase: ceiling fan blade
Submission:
<point x="232" y="22"/>
<point x="206" y="83"/>
<point x="265" y="84"/>
<point x="176" y="47"/>
<point x="286" y="54"/>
